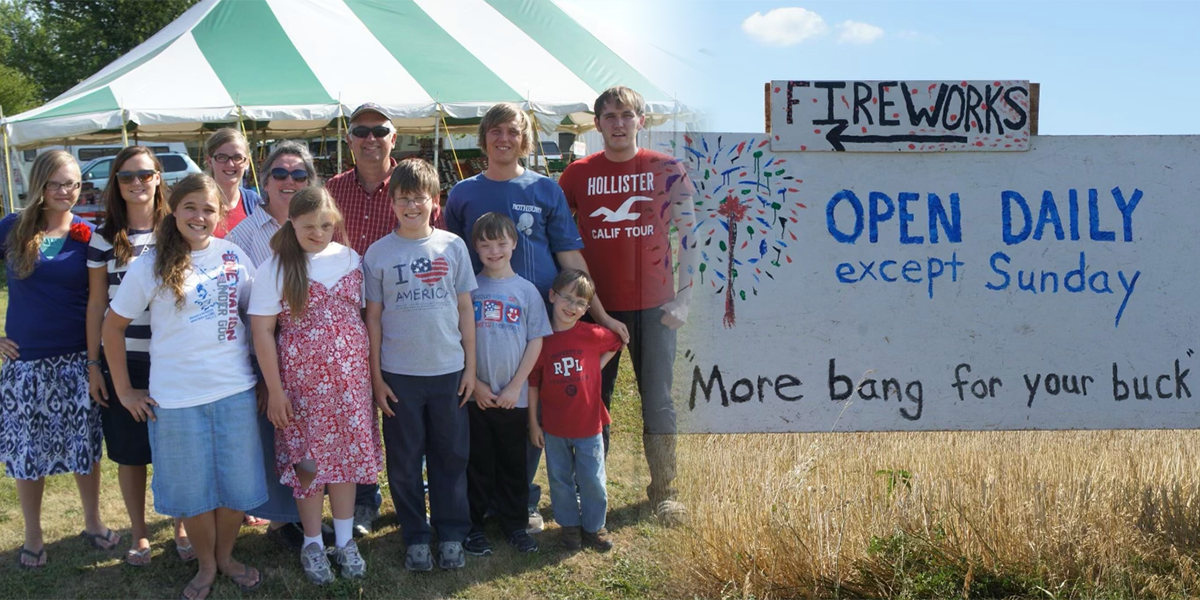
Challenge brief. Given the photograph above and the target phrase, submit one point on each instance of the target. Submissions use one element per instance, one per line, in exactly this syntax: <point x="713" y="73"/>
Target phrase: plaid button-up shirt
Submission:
<point x="368" y="216"/>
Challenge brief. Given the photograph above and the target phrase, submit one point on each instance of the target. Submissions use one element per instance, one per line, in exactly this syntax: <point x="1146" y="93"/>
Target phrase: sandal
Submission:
<point x="138" y="558"/>
<point x="186" y="552"/>
<point x="250" y="521"/>
<point x="248" y="573"/>
<point x="99" y="540"/>
<point x="198" y="593"/>
<point x="39" y="559"/>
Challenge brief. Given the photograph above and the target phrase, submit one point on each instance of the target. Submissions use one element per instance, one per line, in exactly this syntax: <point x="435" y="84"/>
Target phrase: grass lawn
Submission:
<point x="75" y="570"/>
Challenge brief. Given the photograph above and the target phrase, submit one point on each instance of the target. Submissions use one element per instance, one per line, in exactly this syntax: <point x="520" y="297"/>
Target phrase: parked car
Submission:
<point x="176" y="166"/>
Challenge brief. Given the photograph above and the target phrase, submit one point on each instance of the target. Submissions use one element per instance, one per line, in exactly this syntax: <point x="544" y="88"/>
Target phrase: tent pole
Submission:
<point x="453" y="152"/>
<point x="437" y="135"/>
<point x="253" y="169"/>
<point x="338" y="168"/>
<point x="9" y="202"/>
<point x="124" y="128"/>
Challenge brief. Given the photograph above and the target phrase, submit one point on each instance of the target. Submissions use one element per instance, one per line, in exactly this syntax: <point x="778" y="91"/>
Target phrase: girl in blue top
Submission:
<point x="48" y="423"/>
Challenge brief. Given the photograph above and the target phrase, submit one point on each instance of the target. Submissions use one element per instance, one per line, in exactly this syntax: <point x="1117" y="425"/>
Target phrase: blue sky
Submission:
<point x="1104" y="67"/>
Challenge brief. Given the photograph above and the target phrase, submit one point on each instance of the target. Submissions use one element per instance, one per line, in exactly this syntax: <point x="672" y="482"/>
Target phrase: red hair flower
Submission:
<point x="80" y="232"/>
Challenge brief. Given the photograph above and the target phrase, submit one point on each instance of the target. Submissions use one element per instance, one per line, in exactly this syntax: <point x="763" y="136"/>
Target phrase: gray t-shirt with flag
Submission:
<point x="418" y="283"/>
<point x="508" y="314"/>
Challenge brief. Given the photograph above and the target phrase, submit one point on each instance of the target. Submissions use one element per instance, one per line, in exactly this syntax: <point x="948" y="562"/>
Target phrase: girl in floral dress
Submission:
<point x="317" y="375"/>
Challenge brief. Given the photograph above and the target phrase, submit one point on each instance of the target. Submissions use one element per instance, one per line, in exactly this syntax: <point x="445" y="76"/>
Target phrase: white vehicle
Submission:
<point x="22" y="161"/>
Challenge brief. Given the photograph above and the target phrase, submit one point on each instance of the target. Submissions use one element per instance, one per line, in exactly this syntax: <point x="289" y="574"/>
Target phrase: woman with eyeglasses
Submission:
<point x="135" y="202"/>
<point x="48" y="422"/>
<point x="227" y="156"/>
<point x="287" y="170"/>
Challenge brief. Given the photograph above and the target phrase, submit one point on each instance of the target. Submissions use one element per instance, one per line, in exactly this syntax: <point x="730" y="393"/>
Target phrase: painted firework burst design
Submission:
<point x="746" y="200"/>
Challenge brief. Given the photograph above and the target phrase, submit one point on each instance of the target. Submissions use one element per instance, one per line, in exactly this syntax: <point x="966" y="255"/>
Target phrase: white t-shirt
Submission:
<point x="325" y="267"/>
<point x="199" y="354"/>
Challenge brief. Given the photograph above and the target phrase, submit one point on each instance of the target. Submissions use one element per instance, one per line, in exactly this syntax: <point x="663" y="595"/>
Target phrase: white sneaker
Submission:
<point x="352" y="563"/>
<point x="364" y="516"/>
<point x="536" y="523"/>
<point x="316" y="564"/>
<point x="671" y="513"/>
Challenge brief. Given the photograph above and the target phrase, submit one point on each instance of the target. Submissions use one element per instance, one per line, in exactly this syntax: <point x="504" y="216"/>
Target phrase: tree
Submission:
<point x="59" y="43"/>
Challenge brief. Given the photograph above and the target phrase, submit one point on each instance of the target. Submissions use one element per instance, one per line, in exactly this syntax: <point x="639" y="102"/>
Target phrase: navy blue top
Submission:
<point x="251" y="199"/>
<point x="47" y="311"/>
<point x="536" y="205"/>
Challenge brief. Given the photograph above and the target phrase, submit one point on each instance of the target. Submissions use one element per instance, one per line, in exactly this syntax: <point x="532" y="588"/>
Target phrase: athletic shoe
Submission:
<point x="418" y="558"/>
<point x="364" y="516"/>
<point x="598" y="540"/>
<point x="572" y="537"/>
<point x="477" y="544"/>
<point x="450" y="555"/>
<point x="316" y="564"/>
<point x="352" y="563"/>
<point x="523" y="542"/>
<point x="671" y="513"/>
<point x="536" y="523"/>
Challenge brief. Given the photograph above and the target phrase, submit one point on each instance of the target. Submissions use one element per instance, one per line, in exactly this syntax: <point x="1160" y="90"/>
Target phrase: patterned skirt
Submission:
<point x="48" y="422"/>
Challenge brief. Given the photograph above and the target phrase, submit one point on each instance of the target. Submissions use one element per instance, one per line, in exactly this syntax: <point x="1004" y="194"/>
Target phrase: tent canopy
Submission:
<point x="293" y="67"/>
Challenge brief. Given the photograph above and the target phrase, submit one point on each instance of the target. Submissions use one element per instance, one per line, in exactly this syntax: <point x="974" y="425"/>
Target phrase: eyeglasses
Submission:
<point x="574" y="302"/>
<point x="280" y="173"/>
<point x="234" y="160"/>
<point x="379" y="131"/>
<point x="413" y="201"/>
<point x="69" y="186"/>
<point x="145" y="175"/>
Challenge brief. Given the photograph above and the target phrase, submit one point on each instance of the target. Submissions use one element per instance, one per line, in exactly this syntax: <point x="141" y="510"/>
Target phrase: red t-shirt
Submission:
<point x="567" y="375"/>
<point x="232" y="218"/>
<point x="624" y="215"/>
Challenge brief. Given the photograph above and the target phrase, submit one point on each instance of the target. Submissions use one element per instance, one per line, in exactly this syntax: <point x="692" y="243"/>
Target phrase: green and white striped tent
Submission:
<point x="291" y="68"/>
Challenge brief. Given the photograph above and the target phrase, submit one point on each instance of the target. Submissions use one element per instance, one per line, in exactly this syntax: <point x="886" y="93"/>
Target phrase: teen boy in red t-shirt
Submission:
<point x="566" y="382"/>
<point x="626" y="199"/>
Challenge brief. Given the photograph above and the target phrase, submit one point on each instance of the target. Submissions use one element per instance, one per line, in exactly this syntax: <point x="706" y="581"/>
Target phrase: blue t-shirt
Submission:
<point x="47" y="311"/>
<point x="536" y="205"/>
<point x="251" y="199"/>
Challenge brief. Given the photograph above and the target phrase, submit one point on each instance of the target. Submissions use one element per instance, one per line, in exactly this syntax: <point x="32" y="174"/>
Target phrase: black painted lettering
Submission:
<point x="714" y="380"/>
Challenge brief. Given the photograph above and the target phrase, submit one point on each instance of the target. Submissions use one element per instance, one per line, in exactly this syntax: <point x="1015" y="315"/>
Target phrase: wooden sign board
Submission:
<point x="900" y="116"/>
<point x="1048" y="289"/>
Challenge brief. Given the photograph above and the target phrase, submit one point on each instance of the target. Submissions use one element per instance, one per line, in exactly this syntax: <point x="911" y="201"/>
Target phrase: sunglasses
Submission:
<point x="144" y="175"/>
<point x="379" y="131"/>
<point x="299" y="175"/>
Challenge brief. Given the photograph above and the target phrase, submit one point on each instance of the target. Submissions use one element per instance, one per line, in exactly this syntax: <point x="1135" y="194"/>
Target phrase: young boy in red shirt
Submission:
<point x="566" y="382"/>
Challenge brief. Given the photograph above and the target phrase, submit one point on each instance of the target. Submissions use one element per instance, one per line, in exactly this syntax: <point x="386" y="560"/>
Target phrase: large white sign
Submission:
<point x="1049" y="289"/>
<point x="900" y="116"/>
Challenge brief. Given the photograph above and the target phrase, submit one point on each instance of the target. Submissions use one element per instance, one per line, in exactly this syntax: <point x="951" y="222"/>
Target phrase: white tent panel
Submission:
<point x="155" y="83"/>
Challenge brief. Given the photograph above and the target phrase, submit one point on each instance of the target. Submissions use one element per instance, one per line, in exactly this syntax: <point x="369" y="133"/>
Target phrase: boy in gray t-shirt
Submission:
<point x="510" y="322"/>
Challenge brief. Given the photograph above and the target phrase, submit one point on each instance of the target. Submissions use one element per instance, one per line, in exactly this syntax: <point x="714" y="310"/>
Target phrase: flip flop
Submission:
<point x="198" y="592"/>
<point x="250" y="521"/>
<point x="97" y="540"/>
<point x="137" y="558"/>
<point x="186" y="553"/>
<point x="248" y="572"/>
<point x="39" y="559"/>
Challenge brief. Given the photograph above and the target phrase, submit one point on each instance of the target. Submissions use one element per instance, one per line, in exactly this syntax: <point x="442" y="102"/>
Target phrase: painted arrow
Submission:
<point x="836" y="139"/>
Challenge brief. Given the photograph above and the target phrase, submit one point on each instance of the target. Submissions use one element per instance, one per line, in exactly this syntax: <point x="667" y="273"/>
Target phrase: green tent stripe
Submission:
<point x="442" y="67"/>
<point x="254" y="58"/>
<point x="127" y="68"/>
<point x="574" y="46"/>
<point x="97" y="101"/>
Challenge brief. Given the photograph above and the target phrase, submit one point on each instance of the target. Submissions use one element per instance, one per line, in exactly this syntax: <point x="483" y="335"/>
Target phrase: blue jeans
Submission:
<point x="571" y="461"/>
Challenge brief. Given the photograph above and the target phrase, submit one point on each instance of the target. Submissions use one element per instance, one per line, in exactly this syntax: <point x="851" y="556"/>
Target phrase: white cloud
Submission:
<point x="785" y="26"/>
<point x="853" y="32"/>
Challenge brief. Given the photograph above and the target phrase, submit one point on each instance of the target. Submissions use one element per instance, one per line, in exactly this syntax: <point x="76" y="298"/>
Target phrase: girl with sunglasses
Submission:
<point x="134" y="204"/>
<point x="287" y="170"/>
<point x="48" y="423"/>
<point x="200" y="405"/>
<point x="227" y="156"/>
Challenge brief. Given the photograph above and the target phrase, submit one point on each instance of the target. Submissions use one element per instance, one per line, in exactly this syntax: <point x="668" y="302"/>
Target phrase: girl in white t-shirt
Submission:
<point x="200" y="406"/>
<point x="317" y="375"/>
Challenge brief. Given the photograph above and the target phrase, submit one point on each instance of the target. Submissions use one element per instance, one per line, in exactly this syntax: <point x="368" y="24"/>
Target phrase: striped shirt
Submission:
<point x="100" y="255"/>
<point x="253" y="235"/>
<point x="368" y="216"/>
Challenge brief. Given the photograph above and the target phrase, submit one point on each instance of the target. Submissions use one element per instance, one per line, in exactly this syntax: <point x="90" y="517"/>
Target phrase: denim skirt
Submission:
<point x="208" y="457"/>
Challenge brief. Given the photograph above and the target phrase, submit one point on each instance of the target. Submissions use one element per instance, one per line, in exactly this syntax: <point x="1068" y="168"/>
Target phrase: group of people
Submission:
<point x="247" y="344"/>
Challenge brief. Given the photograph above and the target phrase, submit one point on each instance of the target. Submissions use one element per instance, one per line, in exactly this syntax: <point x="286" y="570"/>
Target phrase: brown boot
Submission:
<point x="599" y="540"/>
<point x="572" y="538"/>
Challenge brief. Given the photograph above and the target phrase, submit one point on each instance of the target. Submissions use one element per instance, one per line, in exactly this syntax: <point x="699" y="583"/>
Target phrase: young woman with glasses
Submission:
<point x="135" y="201"/>
<point x="48" y="422"/>
<point x="227" y="157"/>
